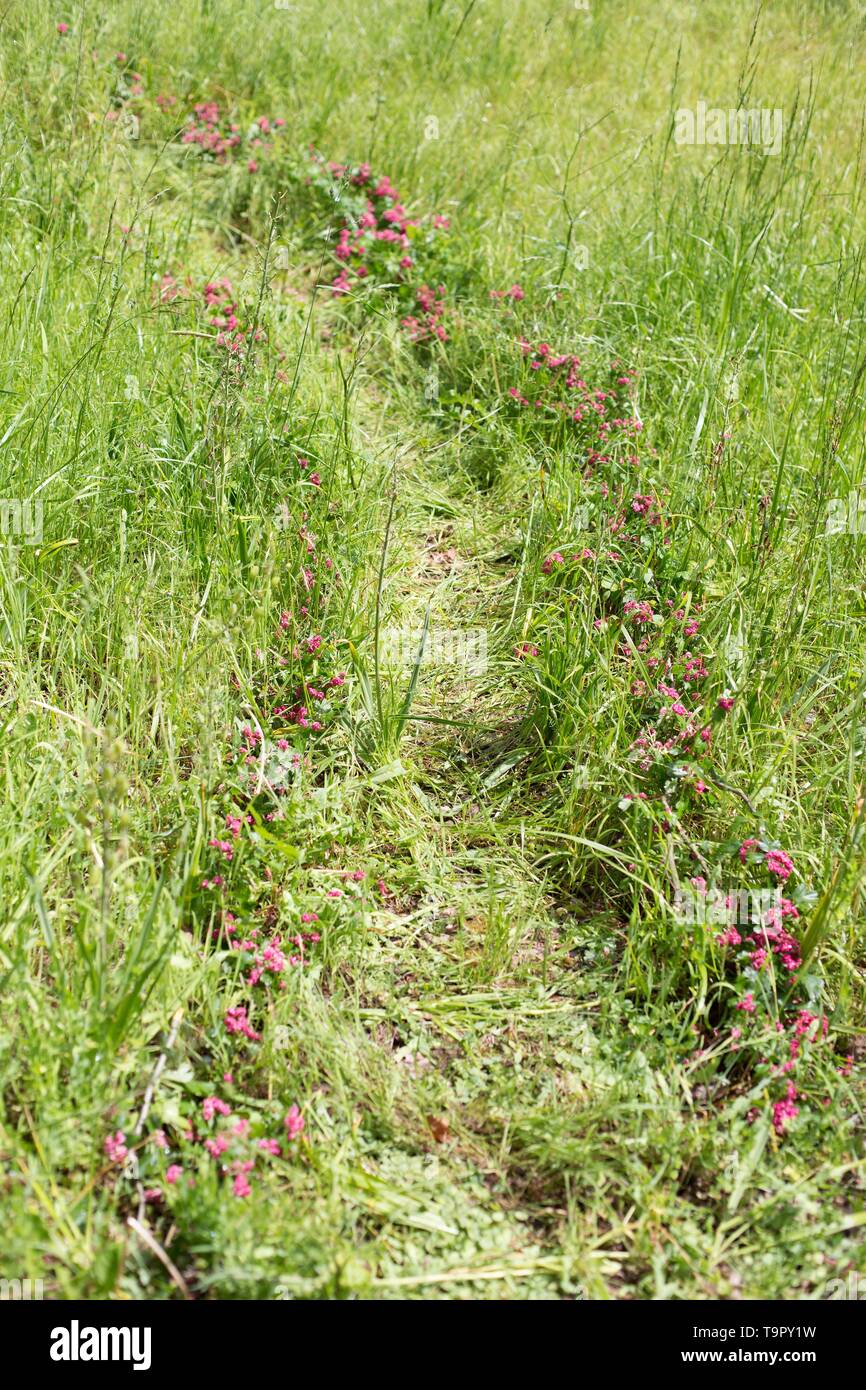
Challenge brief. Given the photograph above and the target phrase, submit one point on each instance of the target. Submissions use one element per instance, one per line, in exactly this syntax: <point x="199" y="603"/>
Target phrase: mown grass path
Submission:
<point x="325" y="975"/>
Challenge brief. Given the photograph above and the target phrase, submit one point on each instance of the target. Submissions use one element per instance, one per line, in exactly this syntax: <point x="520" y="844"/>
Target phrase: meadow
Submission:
<point x="432" y="597"/>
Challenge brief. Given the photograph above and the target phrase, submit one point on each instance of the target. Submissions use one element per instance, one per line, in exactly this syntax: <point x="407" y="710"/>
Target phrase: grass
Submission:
<point x="521" y="1072"/>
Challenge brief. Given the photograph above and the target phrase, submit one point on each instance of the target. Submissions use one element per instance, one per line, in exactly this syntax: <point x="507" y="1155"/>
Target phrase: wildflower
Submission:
<point x="726" y="703"/>
<point x="236" y="1021"/>
<point x="555" y="559"/>
<point x="115" y="1147"/>
<point x="172" y="1174"/>
<point x="62" y="28"/>
<point x="640" y="612"/>
<point x="779" y="864"/>
<point x="729" y="937"/>
<point x="294" y="1123"/>
<point x="212" y="1105"/>
<point x="785" y="1110"/>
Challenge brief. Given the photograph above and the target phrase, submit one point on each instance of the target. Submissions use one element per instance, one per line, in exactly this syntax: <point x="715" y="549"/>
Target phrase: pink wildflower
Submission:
<point x="212" y="1105"/>
<point x="785" y="1110"/>
<point x="779" y="864"/>
<point x="236" y="1021"/>
<point x="294" y="1123"/>
<point x="115" y="1147"/>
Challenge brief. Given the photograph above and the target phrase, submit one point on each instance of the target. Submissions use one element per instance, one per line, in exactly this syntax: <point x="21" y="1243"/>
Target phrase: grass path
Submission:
<point x="327" y="976"/>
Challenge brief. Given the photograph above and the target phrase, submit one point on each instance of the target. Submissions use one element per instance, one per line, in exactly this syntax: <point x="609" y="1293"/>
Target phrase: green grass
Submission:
<point x="521" y="1074"/>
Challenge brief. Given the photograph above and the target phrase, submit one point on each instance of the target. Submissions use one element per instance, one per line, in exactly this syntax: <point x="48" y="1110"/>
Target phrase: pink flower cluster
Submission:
<point x="236" y="1021"/>
<point x="115" y="1147"/>
<point x="554" y="385"/>
<point x="219" y="142"/>
<point x="219" y="299"/>
<point x="776" y="861"/>
<point x="376" y="237"/>
<point x="428" y="322"/>
<point x="785" y="1110"/>
<point x="232" y="1145"/>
